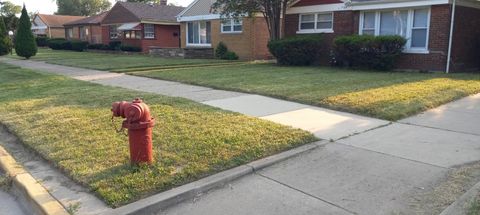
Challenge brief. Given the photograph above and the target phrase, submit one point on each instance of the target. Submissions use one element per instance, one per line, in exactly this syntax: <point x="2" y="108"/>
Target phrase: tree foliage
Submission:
<point x="82" y="7"/>
<point x="4" y="43"/>
<point x="8" y="12"/>
<point x="272" y="11"/>
<point x="25" y="44"/>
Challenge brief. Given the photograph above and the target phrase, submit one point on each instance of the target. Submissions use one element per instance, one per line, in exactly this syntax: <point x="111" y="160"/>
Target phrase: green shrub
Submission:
<point x="127" y="48"/>
<point x="41" y="41"/>
<point x="25" y="44"/>
<point x="78" y="46"/>
<point x="106" y="47"/>
<point x="230" y="56"/>
<point x="59" y="44"/>
<point x="95" y="46"/>
<point x="221" y="50"/>
<point x="364" y="51"/>
<point x="297" y="50"/>
<point x="115" y="45"/>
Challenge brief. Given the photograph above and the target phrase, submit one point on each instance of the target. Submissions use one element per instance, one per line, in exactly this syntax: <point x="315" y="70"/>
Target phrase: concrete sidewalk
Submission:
<point x="323" y="123"/>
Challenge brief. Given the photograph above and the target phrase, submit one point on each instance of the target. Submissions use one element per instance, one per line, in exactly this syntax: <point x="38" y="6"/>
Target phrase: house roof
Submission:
<point x="91" y="20"/>
<point x="57" y="21"/>
<point x="124" y="12"/>
<point x="198" y="8"/>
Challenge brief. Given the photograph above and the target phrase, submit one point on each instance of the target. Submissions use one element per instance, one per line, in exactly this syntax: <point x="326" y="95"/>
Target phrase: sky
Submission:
<point x="49" y="6"/>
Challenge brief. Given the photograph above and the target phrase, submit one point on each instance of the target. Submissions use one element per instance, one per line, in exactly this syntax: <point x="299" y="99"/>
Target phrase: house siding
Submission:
<point x="466" y="42"/>
<point x="250" y="44"/>
<point x="55" y="32"/>
<point x="347" y="23"/>
<point x="95" y="33"/>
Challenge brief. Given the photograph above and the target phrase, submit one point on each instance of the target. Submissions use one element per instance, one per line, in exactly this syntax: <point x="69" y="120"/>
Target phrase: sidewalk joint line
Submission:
<point x="442" y="129"/>
<point x="395" y="156"/>
<point x="305" y="193"/>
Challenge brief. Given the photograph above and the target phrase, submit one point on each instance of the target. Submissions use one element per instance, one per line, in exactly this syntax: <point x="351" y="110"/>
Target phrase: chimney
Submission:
<point x="163" y="2"/>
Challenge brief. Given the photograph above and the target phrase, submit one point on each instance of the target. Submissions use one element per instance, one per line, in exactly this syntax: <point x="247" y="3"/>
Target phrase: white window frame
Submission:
<point x="410" y="19"/>
<point x="113" y="35"/>
<point x="315" y="28"/>
<point x="198" y="44"/>
<point x="149" y="34"/>
<point x="232" y="26"/>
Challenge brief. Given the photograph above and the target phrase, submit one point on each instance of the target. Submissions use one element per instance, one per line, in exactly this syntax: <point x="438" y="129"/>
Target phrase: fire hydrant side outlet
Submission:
<point x="139" y="123"/>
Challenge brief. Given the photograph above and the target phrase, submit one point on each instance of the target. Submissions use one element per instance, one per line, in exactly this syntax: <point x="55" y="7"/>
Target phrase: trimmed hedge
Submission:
<point x="63" y="44"/>
<point x="42" y="41"/>
<point x="59" y="44"/>
<point x="95" y="46"/>
<point x="115" y="45"/>
<point x="127" y="48"/>
<point x="365" y="51"/>
<point x="296" y="51"/>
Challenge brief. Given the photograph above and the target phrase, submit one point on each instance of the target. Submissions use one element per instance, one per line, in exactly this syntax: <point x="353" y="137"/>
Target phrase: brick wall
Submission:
<point x="347" y="22"/>
<point x="56" y="33"/>
<point x="250" y="44"/>
<point x="105" y="34"/>
<point x="438" y="43"/>
<point x="166" y="36"/>
<point x="95" y="34"/>
<point x="466" y="39"/>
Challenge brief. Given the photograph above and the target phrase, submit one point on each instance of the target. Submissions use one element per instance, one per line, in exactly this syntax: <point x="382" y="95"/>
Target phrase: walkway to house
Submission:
<point x="371" y="167"/>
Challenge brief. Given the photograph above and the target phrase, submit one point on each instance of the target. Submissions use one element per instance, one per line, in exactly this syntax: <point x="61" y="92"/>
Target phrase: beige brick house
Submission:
<point x="202" y="29"/>
<point x="51" y="26"/>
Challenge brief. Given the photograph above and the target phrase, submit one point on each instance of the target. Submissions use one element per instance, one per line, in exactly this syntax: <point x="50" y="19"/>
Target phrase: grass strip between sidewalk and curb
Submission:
<point x="68" y="122"/>
<point x="36" y="198"/>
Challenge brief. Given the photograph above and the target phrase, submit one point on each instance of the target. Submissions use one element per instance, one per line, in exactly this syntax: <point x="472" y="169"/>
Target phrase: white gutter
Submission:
<point x="452" y="24"/>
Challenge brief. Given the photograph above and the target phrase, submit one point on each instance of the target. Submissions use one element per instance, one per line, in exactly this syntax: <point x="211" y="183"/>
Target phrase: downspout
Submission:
<point x="49" y="32"/>
<point x="450" y="40"/>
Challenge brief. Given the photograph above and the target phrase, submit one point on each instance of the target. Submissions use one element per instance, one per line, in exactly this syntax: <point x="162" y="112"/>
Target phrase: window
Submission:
<point x="83" y="32"/>
<point x="316" y="23"/>
<point x="411" y="24"/>
<point x="231" y="26"/>
<point x="199" y="33"/>
<point x="69" y="33"/>
<point x="131" y="35"/>
<point x="113" y="32"/>
<point x="149" y="31"/>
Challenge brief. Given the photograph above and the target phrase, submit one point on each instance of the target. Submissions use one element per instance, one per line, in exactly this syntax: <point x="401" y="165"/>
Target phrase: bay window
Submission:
<point x="199" y="33"/>
<point x="231" y="26"/>
<point x="131" y="35"/>
<point x="412" y="24"/>
<point x="316" y="23"/>
<point x="149" y="31"/>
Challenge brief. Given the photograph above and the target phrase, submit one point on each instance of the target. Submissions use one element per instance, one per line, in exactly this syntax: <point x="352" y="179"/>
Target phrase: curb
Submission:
<point x="155" y="203"/>
<point x="460" y="206"/>
<point x="35" y="197"/>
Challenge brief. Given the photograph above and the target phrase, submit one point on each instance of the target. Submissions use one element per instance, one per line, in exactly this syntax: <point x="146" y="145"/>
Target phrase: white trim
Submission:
<point x="145" y="32"/>
<point x="318" y="8"/>
<point x="376" y="5"/>
<point x="232" y="25"/>
<point x="204" y="45"/>
<point x="410" y="18"/>
<point x="197" y="18"/>
<point x="315" y="21"/>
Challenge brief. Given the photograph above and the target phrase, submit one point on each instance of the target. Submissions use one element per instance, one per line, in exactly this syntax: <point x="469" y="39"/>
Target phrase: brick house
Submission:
<point x="142" y="25"/>
<point x="203" y="30"/>
<point x="87" y="29"/>
<point x="426" y="24"/>
<point x="51" y="26"/>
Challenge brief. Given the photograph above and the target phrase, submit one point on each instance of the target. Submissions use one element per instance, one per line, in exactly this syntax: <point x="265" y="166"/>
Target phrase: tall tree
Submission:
<point x="82" y="7"/>
<point x="4" y="43"/>
<point x="25" y="44"/>
<point x="8" y="11"/>
<point x="272" y="10"/>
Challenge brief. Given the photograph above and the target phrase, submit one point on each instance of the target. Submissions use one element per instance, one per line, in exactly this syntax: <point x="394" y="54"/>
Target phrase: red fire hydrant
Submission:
<point x="139" y="124"/>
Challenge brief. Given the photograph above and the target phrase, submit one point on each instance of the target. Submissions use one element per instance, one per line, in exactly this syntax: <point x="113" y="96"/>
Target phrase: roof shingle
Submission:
<point x="57" y="21"/>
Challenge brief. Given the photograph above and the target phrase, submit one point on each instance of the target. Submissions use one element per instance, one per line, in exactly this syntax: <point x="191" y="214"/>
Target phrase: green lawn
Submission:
<point x="385" y="95"/>
<point x="109" y="62"/>
<point x="68" y="122"/>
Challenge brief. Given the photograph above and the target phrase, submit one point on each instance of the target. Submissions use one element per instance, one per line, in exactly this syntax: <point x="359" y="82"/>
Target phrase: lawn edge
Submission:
<point x="460" y="206"/>
<point x="35" y="198"/>
<point x="161" y="201"/>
